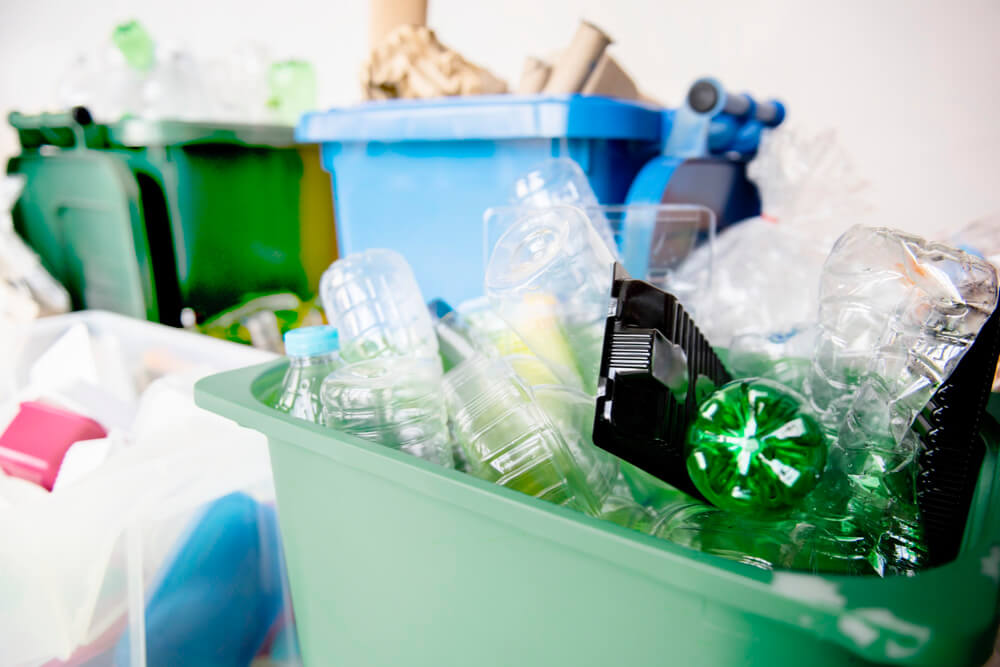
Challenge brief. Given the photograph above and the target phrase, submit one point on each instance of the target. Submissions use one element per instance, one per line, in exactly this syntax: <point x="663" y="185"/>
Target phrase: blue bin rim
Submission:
<point x="487" y="117"/>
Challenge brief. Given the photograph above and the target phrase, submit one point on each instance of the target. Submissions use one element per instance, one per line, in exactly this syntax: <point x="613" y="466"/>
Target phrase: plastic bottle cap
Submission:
<point x="311" y="341"/>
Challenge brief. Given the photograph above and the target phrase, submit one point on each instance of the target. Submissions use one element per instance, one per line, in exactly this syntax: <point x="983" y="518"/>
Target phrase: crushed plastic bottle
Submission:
<point x="312" y="355"/>
<point x="373" y="299"/>
<point x="897" y="313"/>
<point x="394" y="401"/>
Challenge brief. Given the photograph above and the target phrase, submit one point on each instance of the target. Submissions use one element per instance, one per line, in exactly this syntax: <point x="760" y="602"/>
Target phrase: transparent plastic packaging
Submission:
<point x="765" y="270"/>
<point x="373" y="300"/>
<point x="394" y="401"/>
<point x="656" y="240"/>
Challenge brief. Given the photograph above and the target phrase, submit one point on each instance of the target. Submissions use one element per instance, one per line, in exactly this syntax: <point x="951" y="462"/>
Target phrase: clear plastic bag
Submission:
<point x="766" y="270"/>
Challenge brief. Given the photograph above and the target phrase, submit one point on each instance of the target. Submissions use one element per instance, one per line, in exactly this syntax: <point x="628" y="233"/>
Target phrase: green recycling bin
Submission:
<point x="147" y="218"/>
<point x="396" y="561"/>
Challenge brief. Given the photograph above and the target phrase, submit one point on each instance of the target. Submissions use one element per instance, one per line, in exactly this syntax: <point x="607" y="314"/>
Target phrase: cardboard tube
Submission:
<point x="610" y="80"/>
<point x="578" y="60"/>
<point x="533" y="76"/>
<point x="384" y="15"/>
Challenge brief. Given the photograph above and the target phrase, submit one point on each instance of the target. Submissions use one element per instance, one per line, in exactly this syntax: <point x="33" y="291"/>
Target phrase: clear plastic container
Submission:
<point x="549" y="277"/>
<point x="394" y="401"/>
<point x="655" y="240"/>
<point x="373" y="300"/>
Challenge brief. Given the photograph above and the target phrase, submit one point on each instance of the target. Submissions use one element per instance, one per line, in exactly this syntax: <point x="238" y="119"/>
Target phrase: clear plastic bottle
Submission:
<point x="312" y="354"/>
<point x="561" y="181"/>
<point x="373" y="299"/>
<point x="549" y="277"/>
<point x="897" y="313"/>
<point x="508" y="438"/>
<point x="394" y="401"/>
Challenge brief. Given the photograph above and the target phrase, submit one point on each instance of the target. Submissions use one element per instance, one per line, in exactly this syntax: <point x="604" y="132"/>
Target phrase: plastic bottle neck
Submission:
<point x="313" y="360"/>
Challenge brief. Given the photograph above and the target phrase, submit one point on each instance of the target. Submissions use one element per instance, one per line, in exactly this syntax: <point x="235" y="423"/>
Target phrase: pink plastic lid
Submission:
<point x="34" y="444"/>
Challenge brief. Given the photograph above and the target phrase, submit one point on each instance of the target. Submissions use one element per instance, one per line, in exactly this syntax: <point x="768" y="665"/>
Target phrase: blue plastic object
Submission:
<point x="222" y="592"/>
<point x="710" y="138"/>
<point x="416" y="176"/>
<point x="311" y="341"/>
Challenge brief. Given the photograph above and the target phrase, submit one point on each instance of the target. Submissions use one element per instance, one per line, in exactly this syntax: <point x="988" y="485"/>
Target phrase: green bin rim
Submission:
<point x="136" y="132"/>
<point x="141" y="133"/>
<point x="928" y="618"/>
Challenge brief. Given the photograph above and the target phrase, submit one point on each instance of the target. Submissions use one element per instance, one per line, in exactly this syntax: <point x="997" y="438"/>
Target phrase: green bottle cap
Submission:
<point x="755" y="447"/>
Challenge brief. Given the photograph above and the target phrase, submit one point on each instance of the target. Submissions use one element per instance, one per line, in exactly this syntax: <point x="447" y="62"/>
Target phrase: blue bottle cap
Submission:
<point x="311" y="341"/>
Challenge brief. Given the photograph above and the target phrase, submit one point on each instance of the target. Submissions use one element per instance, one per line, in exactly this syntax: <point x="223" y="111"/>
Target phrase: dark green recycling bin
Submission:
<point x="146" y="218"/>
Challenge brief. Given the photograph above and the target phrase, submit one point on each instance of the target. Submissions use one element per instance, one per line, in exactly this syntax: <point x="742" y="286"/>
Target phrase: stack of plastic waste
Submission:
<point x="846" y="444"/>
<point x="134" y="75"/>
<point x="138" y="528"/>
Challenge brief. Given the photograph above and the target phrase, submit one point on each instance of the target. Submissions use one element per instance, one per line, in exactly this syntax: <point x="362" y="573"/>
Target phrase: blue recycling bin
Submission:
<point x="416" y="176"/>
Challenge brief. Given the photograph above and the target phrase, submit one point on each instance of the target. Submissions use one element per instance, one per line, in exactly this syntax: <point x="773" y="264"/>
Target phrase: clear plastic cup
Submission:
<point x="373" y="299"/>
<point x="508" y="438"/>
<point x="549" y="277"/>
<point x="394" y="401"/>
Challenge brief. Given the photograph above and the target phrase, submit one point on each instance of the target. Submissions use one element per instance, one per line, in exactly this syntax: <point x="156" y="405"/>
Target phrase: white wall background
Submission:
<point x="913" y="86"/>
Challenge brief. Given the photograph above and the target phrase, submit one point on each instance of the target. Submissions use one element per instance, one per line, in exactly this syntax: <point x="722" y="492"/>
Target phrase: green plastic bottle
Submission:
<point x="755" y="448"/>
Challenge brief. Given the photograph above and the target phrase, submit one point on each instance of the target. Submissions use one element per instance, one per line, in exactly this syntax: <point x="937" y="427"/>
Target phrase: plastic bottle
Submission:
<point x="508" y="438"/>
<point x="561" y="181"/>
<point x="549" y="277"/>
<point x="897" y="313"/>
<point x="394" y="401"/>
<point x="755" y="447"/>
<point x="312" y="353"/>
<point x="373" y="299"/>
